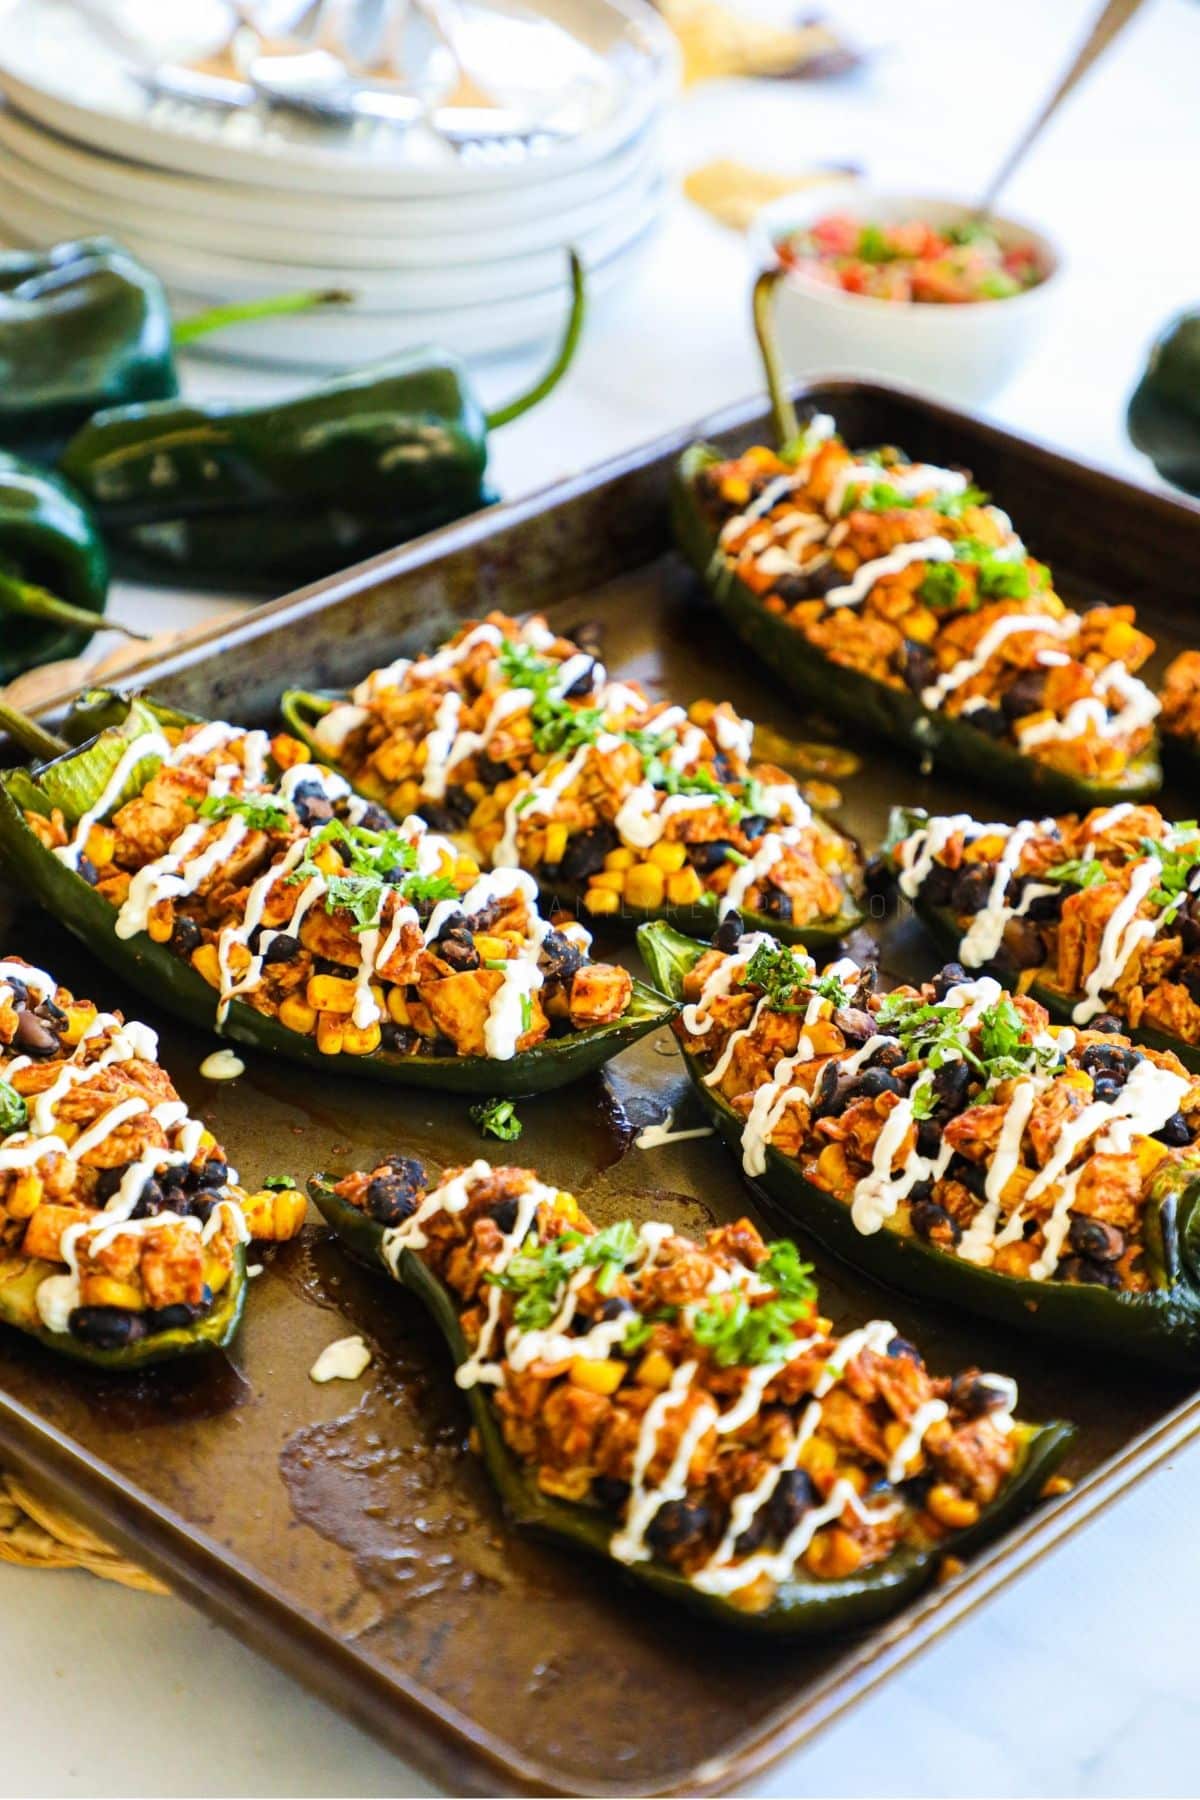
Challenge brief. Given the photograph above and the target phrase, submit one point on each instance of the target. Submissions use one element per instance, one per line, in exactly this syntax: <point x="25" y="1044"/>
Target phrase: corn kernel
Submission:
<point x="668" y="857"/>
<point x="684" y="888"/>
<point x="397" y="1006"/>
<point x="80" y="1016"/>
<point x="297" y="1015"/>
<point x="25" y="1196"/>
<point x="655" y="1370"/>
<point x="216" y="1273"/>
<point x="832" y="1170"/>
<point x="735" y="489"/>
<point x="105" y="1290"/>
<point x="833" y="1553"/>
<point x="612" y="879"/>
<point x="951" y="1508"/>
<point x="602" y="900"/>
<point x="361" y="1040"/>
<point x="566" y="1484"/>
<point x="161" y="922"/>
<point x="556" y="842"/>
<point x="274" y="1214"/>
<point x="101" y="845"/>
<point x="645" y="886"/>
<point x="1149" y="1154"/>
<point x="598" y="1377"/>
<point x="331" y="993"/>
<point x="490" y="947"/>
<point x="330" y="1033"/>
<point x="328" y="861"/>
<point x="817" y="1456"/>
<point x="206" y="963"/>
<point x="465" y="869"/>
<point x="620" y="859"/>
<point x="288" y="752"/>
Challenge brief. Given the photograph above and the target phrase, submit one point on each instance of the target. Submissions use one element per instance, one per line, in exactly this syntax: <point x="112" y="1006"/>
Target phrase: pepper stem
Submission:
<point x="562" y="361"/>
<point x="186" y="331"/>
<point x="30" y="602"/>
<point x="787" y="425"/>
<point x="29" y="734"/>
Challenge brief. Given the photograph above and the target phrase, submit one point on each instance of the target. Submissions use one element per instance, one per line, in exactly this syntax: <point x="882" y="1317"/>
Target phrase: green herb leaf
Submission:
<point x="498" y="1119"/>
<point x="942" y="586"/>
<point x="14" y="1113"/>
<point x="1078" y="871"/>
<point x="279" y="1184"/>
<point x="262" y="812"/>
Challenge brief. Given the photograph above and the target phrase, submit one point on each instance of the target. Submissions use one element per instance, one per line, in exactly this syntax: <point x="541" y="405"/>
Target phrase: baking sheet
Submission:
<point x="346" y="1530"/>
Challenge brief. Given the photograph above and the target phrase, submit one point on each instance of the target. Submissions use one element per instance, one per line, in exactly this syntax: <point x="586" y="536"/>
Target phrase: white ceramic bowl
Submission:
<point x="960" y="352"/>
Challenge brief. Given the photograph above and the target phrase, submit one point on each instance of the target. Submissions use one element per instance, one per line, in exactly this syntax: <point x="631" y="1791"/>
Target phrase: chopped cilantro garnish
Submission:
<point x="498" y="1119"/>
<point x="279" y="1184"/>
<point x="262" y="812"/>
<point x="737" y="1332"/>
<point x="14" y="1113"/>
<point x="526" y="1014"/>
<point x="1178" y="864"/>
<point x="941" y="586"/>
<point x="376" y="863"/>
<point x="779" y="972"/>
<point x="873" y="245"/>
<point x="1078" y="871"/>
<point x="539" y="1272"/>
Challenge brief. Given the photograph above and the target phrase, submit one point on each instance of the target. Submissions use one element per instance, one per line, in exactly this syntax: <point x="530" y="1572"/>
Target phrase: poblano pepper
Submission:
<point x="84" y="326"/>
<point x="296" y="489"/>
<point x="803" y="1605"/>
<point x="53" y="570"/>
<point x="1163" y="419"/>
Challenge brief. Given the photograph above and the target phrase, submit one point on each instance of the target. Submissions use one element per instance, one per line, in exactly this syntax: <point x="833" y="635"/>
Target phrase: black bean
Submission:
<point x="826" y="1095"/>
<point x="459" y="952"/>
<point x="900" y="1347"/>
<point x="947" y="978"/>
<point x="793" y="1496"/>
<point x="974" y="1395"/>
<point x="34" y="1036"/>
<point x="373" y="818"/>
<point x="614" y="1308"/>
<point x="560" y="959"/>
<point x="676" y="1524"/>
<point x="186" y="936"/>
<point x="1187" y="924"/>
<point x="312" y="805"/>
<point x="150" y="1201"/>
<point x="775" y="904"/>
<point x="933" y="1223"/>
<point x="1025" y="695"/>
<point x="213" y="1174"/>
<point x="453" y="923"/>
<point x="1115" y="1060"/>
<point x="1082" y="1270"/>
<point x="586" y="851"/>
<point x="810" y="583"/>
<point x="938" y="885"/>
<point x="439" y="818"/>
<point x="19" y="991"/>
<point x="921" y="1190"/>
<point x="283" y="948"/>
<point x="929" y="1138"/>
<point x="710" y="856"/>
<point x="490" y="773"/>
<point x="504" y="1212"/>
<point x="174" y="1318"/>
<point x="1046" y="907"/>
<point x="729" y="932"/>
<point x="106" y="1327"/>
<point x="1176" y="1132"/>
<point x="87" y="868"/>
<point x="754" y="825"/>
<point x="990" y="720"/>
<point x="609" y="1491"/>
<point x="873" y="1082"/>
<point x="972" y="886"/>
<point x="392" y="1195"/>
<point x="972" y="1176"/>
<point x="888" y="1056"/>
<point x="1106" y="1021"/>
<point x="1188" y="972"/>
<point x="919" y="667"/>
<point x="1095" y="1239"/>
<point x="855" y="1024"/>
<point x="951" y="1085"/>
<point x="399" y="1039"/>
<point x="107" y="1183"/>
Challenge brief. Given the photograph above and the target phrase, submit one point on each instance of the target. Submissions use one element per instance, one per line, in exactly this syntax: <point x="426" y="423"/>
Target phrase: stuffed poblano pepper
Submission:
<point x="84" y="326"/>
<point x="122" y="1229"/>
<point x="518" y="741"/>
<point x="681" y="1408"/>
<point x="892" y="595"/>
<point x="295" y="489"/>
<point x="1180" y="718"/>
<point x="244" y="887"/>
<point x="1163" y="419"/>
<point x="1097" y="918"/>
<point x="953" y="1142"/>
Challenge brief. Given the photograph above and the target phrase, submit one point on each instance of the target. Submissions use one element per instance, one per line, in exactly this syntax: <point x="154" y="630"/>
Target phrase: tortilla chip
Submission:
<point x="35" y="1533"/>
<point x="716" y="42"/>
<point x="734" y="193"/>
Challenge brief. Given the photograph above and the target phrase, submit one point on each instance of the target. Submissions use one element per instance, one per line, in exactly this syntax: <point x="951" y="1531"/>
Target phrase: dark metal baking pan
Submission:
<point x="346" y="1531"/>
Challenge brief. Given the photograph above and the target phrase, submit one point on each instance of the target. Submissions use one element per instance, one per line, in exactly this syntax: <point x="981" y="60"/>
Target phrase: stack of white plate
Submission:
<point x="462" y="244"/>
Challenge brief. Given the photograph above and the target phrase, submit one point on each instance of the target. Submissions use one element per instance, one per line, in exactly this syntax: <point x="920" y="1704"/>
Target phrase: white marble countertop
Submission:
<point x="1077" y="1681"/>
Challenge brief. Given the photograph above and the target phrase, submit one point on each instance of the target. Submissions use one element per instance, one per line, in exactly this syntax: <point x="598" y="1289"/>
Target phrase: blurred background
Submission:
<point x="433" y="160"/>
